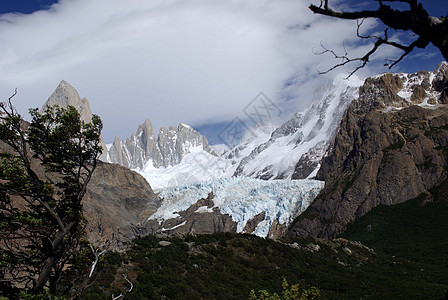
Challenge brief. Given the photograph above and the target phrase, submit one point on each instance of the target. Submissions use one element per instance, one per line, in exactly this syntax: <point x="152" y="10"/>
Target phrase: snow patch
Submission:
<point x="204" y="209"/>
<point x="177" y="226"/>
<point x="186" y="126"/>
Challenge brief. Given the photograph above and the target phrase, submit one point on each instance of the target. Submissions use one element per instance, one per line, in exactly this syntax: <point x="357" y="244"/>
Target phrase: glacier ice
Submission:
<point x="243" y="198"/>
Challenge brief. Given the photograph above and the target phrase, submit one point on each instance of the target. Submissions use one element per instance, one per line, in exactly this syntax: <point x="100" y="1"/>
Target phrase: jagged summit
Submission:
<point x="167" y="149"/>
<point x="146" y="128"/>
<point x="143" y="147"/>
<point x="66" y="95"/>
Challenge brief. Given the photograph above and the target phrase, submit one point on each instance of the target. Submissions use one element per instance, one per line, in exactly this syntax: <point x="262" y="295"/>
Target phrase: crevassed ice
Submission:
<point x="243" y="198"/>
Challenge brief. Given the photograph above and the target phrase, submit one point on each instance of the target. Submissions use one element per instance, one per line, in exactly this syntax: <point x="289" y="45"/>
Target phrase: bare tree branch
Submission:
<point x="117" y="297"/>
<point x="97" y="256"/>
<point x="416" y="20"/>
<point x="132" y="286"/>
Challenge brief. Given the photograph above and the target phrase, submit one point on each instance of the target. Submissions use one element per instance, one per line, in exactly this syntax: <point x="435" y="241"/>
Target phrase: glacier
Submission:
<point x="243" y="198"/>
<point x="268" y="174"/>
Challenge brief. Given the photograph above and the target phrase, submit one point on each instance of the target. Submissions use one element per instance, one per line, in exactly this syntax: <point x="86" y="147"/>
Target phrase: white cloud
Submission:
<point x="170" y="61"/>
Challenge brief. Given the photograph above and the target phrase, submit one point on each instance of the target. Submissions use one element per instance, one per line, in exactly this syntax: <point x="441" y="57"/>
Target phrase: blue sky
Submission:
<point x="434" y="7"/>
<point x="198" y="62"/>
<point x="24" y="6"/>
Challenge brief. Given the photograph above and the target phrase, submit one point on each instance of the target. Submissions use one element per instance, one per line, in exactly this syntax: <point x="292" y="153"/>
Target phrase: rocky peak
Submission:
<point x="391" y="147"/>
<point x="396" y="91"/>
<point x="167" y="149"/>
<point x="66" y="95"/>
<point x="116" y="154"/>
<point x="145" y="129"/>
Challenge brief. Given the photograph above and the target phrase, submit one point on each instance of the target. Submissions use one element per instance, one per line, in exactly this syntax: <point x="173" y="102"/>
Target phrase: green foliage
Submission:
<point x="45" y="167"/>
<point x="229" y="266"/>
<point x="410" y="233"/>
<point x="413" y="230"/>
<point x="44" y="296"/>
<point x="288" y="293"/>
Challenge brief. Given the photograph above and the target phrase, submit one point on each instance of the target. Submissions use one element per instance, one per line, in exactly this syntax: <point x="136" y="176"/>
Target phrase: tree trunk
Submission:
<point x="44" y="275"/>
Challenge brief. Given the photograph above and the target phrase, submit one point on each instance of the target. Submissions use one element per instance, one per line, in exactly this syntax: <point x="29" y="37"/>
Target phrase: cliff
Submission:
<point x="116" y="204"/>
<point x="392" y="146"/>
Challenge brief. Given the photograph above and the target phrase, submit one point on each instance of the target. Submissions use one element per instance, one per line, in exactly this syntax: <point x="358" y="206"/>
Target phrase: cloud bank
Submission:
<point x="171" y="61"/>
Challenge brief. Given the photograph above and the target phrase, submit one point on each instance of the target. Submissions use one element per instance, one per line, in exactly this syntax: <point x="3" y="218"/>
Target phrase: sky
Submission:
<point x="200" y="62"/>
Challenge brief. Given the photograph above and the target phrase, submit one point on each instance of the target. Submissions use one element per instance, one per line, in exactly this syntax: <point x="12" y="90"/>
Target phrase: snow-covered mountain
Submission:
<point x="145" y="150"/>
<point x="202" y="191"/>
<point x="200" y="165"/>
<point x="292" y="151"/>
<point x="181" y="155"/>
<point x="184" y="170"/>
<point x="391" y="147"/>
<point x="295" y="149"/>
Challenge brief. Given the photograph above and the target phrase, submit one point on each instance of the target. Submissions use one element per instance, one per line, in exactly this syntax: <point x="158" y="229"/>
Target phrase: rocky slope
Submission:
<point x="116" y="204"/>
<point x="118" y="201"/>
<point x="392" y="146"/>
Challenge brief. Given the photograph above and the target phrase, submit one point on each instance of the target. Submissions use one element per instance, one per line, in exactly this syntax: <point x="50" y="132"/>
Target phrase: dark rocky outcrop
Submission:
<point x="252" y="223"/>
<point x="382" y="155"/>
<point x="309" y="161"/>
<point x="200" y="218"/>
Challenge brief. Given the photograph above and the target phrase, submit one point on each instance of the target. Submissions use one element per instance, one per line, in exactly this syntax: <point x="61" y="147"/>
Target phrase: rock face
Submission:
<point x="167" y="149"/>
<point x="295" y="149"/>
<point x="391" y="147"/>
<point x="200" y="218"/>
<point x="65" y="95"/>
<point x="118" y="201"/>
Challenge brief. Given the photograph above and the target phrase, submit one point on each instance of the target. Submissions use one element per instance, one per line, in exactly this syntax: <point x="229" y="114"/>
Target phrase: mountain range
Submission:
<point x="144" y="149"/>
<point x="378" y="141"/>
<point x="290" y="151"/>
<point x="181" y="155"/>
